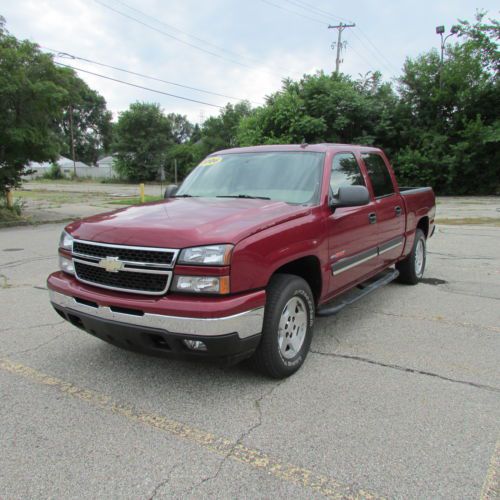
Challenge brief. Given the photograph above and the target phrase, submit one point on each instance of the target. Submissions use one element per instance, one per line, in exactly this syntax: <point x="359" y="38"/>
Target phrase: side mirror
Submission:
<point x="351" y="196"/>
<point x="170" y="191"/>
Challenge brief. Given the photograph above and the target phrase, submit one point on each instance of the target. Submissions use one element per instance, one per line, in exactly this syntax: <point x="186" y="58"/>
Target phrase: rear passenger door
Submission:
<point x="389" y="209"/>
<point x="352" y="236"/>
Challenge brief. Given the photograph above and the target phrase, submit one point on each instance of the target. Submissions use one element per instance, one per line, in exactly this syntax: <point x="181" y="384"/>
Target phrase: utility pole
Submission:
<point x="72" y="138"/>
<point x="340" y="27"/>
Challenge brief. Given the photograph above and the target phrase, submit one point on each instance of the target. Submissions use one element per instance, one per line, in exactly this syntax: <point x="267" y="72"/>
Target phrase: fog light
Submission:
<point x="66" y="264"/>
<point x="195" y="345"/>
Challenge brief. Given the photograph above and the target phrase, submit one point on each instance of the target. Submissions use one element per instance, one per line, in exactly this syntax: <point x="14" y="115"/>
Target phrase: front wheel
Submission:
<point x="287" y="328"/>
<point x="412" y="268"/>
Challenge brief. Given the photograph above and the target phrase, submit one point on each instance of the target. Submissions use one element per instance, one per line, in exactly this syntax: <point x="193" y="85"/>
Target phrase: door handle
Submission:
<point x="398" y="211"/>
<point x="372" y="217"/>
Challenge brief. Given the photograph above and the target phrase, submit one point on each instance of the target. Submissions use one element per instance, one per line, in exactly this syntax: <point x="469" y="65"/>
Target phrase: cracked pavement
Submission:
<point x="399" y="396"/>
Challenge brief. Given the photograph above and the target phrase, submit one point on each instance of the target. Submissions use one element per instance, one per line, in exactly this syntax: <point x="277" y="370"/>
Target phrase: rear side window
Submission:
<point x="345" y="172"/>
<point x="379" y="175"/>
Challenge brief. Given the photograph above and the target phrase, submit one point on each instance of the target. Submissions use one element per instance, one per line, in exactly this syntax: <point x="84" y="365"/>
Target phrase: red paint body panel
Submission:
<point x="266" y="235"/>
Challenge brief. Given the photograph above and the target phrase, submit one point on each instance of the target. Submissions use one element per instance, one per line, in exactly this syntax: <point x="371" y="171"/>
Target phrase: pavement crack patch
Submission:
<point x="20" y="262"/>
<point x="439" y="319"/>
<point x="239" y="441"/>
<point x="450" y="256"/>
<point x="163" y="483"/>
<point x="35" y="348"/>
<point x="407" y="370"/>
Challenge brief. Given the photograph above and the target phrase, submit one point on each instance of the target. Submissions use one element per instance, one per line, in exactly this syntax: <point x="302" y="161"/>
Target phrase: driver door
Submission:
<point x="352" y="231"/>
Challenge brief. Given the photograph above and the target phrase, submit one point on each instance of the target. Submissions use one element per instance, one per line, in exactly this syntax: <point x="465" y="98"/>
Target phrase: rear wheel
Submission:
<point x="287" y="328"/>
<point x="412" y="268"/>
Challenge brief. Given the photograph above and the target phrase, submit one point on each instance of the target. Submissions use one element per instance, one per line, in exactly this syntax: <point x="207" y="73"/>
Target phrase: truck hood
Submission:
<point x="185" y="222"/>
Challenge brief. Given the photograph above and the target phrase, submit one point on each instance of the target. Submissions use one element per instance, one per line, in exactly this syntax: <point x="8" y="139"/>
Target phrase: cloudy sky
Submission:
<point x="238" y="48"/>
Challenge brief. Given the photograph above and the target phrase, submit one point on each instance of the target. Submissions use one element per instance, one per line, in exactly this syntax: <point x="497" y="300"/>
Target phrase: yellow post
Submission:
<point x="10" y="199"/>
<point x="141" y="191"/>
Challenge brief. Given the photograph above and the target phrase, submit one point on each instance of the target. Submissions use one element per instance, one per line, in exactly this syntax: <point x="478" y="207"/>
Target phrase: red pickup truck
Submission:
<point x="241" y="258"/>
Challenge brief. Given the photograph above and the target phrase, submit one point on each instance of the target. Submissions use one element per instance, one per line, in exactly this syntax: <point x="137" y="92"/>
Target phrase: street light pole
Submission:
<point x="440" y="31"/>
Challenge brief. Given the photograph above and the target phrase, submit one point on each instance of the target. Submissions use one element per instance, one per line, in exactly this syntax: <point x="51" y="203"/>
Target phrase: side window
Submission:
<point x="379" y="175"/>
<point x="345" y="172"/>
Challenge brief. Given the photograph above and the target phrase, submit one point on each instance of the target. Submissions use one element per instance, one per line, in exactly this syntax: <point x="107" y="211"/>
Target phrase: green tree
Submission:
<point x="322" y="108"/>
<point x="187" y="157"/>
<point x="31" y="101"/>
<point x="143" y="136"/>
<point x="91" y="120"/>
<point x="220" y="132"/>
<point x="182" y="128"/>
<point x="450" y="133"/>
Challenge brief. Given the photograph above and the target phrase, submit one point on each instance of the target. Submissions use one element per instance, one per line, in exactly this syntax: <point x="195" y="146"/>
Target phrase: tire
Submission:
<point x="412" y="268"/>
<point x="289" y="308"/>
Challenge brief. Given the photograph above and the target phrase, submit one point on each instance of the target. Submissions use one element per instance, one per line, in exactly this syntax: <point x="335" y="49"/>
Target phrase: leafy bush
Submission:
<point x="53" y="172"/>
<point x="11" y="213"/>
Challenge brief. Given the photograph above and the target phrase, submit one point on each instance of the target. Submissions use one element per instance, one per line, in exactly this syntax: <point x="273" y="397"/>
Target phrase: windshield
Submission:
<point x="292" y="177"/>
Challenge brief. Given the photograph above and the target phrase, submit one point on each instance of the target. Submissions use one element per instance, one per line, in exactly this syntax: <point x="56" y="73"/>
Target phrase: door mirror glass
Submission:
<point x="351" y="196"/>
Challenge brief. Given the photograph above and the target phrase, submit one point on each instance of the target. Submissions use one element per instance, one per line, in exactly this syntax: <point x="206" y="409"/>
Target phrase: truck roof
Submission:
<point x="318" y="148"/>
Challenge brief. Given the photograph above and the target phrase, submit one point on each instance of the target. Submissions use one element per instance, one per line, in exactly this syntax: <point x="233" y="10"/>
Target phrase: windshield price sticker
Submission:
<point x="211" y="160"/>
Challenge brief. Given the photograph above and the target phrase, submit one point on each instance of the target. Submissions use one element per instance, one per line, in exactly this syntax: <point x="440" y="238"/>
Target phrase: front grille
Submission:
<point x="130" y="254"/>
<point x="144" y="270"/>
<point x="123" y="280"/>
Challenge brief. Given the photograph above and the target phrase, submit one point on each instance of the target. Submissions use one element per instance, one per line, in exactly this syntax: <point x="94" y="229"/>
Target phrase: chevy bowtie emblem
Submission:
<point x="111" y="264"/>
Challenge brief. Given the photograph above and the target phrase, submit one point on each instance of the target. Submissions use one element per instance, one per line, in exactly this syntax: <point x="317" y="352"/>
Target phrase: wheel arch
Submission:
<point x="423" y="224"/>
<point x="309" y="269"/>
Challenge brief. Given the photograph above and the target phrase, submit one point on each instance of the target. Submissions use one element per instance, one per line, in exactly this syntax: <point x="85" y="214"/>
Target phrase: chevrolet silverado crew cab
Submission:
<point x="240" y="259"/>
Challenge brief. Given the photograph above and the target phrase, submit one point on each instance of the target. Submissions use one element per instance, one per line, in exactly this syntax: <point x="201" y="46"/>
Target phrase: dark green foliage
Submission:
<point x="143" y="135"/>
<point x="30" y="102"/>
<point x="450" y="134"/>
<point x="53" y="173"/>
<point x="220" y="132"/>
<point x="35" y="96"/>
<point x="92" y="126"/>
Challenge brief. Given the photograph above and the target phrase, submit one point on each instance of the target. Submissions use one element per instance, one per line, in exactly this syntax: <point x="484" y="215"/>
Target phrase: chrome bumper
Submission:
<point x="245" y="324"/>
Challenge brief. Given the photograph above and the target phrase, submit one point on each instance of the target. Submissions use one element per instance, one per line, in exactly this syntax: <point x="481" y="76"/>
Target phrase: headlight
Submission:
<point x="201" y="284"/>
<point x="66" y="241"/>
<point x="212" y="255"/>
<point x="66" y="264"/>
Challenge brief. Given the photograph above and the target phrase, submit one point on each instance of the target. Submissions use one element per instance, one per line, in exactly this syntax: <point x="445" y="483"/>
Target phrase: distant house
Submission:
<point x="65" y="164"/>
<point x="105" y="161"/>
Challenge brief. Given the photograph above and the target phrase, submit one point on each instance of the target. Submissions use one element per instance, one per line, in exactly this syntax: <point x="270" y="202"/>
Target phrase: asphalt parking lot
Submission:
<point x="399" y="398"/>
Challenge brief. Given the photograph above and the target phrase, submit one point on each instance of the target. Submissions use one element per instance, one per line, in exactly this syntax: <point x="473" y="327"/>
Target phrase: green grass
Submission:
<point x="135" y="201"/>
<point x="56" y="197"/>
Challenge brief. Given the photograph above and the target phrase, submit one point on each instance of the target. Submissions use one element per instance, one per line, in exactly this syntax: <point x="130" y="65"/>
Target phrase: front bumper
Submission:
<point x="233" y="336"/>
<point x="245" y="324"/>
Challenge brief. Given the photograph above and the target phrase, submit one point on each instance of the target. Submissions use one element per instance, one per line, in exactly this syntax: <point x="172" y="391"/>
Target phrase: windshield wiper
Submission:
<point x="183" y="196"/>
<point x="247" y="196"/>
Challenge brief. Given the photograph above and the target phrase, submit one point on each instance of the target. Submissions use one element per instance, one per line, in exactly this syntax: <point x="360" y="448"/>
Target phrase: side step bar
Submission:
<point x="363" y="289"/>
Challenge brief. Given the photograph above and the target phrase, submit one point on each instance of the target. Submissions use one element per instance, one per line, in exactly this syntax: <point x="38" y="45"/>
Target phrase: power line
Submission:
<point x="72" y="56"/>
<point x="169" y="26"/>
<point x="377" y="49"/>
<point x="140" y="86"/>
<point x="189" y="44"/>
<point x="293" y="12"/>
<point x="309" y="7"/>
